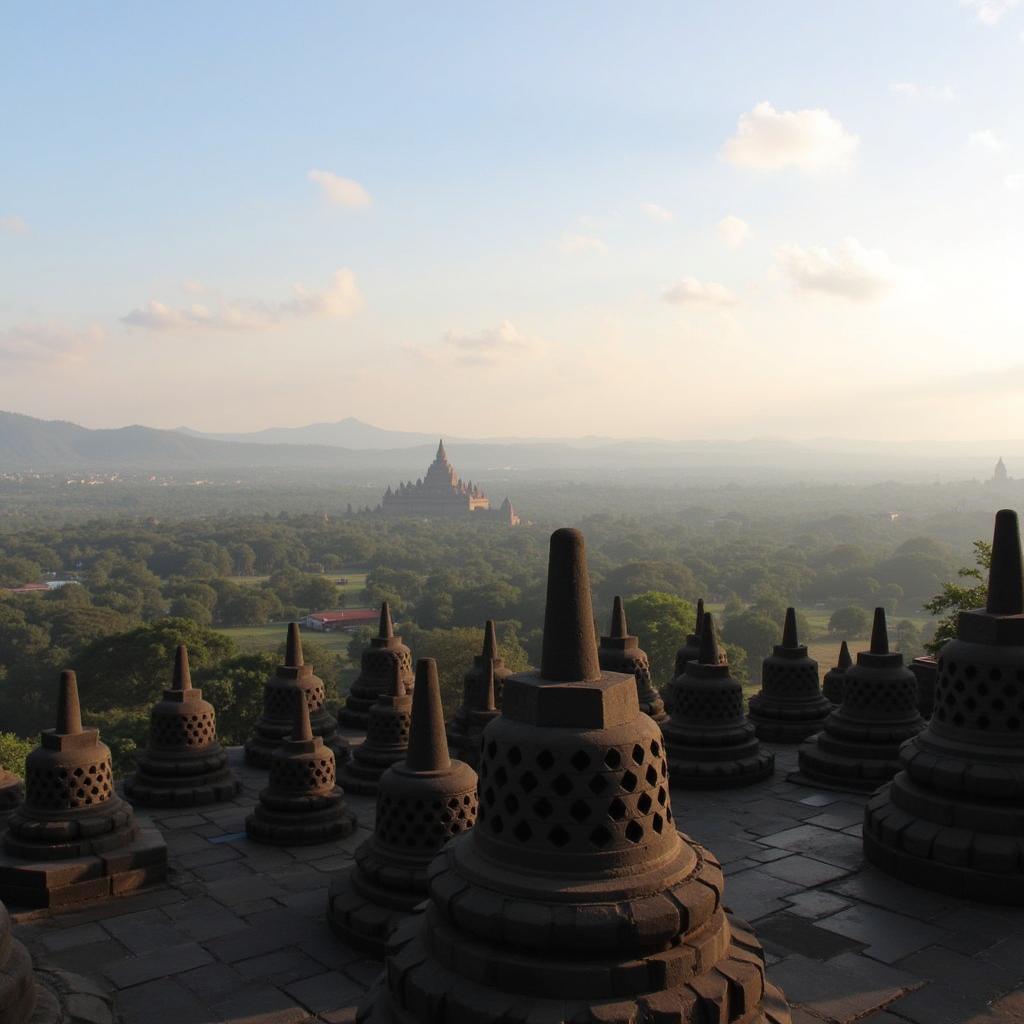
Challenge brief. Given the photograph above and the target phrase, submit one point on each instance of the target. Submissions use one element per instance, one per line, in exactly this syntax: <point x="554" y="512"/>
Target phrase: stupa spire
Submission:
<point x="845" y="661"/>
<point x="618" y="627"/>
<point x="69" y="711"/>
<point x="387" y="627"/>
<point x="182" y="675"/>
<point x="293" y="647"/>
<point x="490" y="649"/>
<point x="569" y="652"/>
<point x="700" y="616"/>
<point x="789" y="635"/>
<point x="879" y="633"/>
<point x="428" y="745"/>
<point x="710" y="652"/>
<point x="1005" y="575"/>
<point x="489" y="702"/>
<point x="442" y="455"/>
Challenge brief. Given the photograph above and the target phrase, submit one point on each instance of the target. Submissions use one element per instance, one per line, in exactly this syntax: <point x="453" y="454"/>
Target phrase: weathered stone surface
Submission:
<point x="858" y="747"/>
<point x="481" y="699"/>
<point x="688" y="652"/>
<point x="376" y="665"/>
<point x="926" y="670"/>
<point x="275" y="724"/>
<point x="953" y="818"/>
<point x="574" y="897"/>
<point x="709" y="741"/>
<point x="183" y="765"/>
<point x="790" y="706"/>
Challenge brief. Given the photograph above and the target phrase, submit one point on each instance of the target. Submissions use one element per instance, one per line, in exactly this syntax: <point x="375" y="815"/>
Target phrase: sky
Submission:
<point x="717" y="219"/>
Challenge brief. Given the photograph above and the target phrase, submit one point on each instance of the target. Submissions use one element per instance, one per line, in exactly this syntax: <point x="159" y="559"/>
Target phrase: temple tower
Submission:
<point x="789" y="707"/>
<point x="481" y="699"/>
<point x="573" y="898"/>
<point x="275" y="724"/>
<point x="375" y="672"/>
<point x="858" y="747"/>
<point x="387" y="737"/>
<point x="953" y="818"/>
<point x="620" y="652"/>
<point x="74" y="838"/>
<point x="710" y="743"/>
<point x="422" y="802"/>
<point x="303" y="804"/>
<point x="183" y="765"/>
<point x="832" y="684"/>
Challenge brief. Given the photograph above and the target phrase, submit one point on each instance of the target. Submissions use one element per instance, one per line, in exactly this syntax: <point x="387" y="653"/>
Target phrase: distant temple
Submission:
<point x="442" y="494"/>
<point x="999" y="476"/>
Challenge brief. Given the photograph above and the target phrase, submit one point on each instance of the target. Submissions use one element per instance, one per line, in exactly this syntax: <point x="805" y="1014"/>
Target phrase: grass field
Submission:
<point x="270" y="637"/>
<point x="353" y="588"/>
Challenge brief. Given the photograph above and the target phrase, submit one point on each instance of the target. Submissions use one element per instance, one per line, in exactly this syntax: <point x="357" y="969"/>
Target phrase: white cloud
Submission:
<point x="914" y="91"/>
<point x="13" y="225"/>
<point x="989" y="12"/>
<point x="733" y="231"/>
<point x="51" y="343"/>
<point x="767" y="139"/>
<point x="656" y="212"/>
<point x="986" y="140"/>
<point x="572" y="244"/>
<point x="1014" y="182"/>
<point x="690" y="292"/>
<point x="487" y="347"/>
<point x="852" y="271"/>
<point x="340" y="298"/>
<point x="340" y="191"/>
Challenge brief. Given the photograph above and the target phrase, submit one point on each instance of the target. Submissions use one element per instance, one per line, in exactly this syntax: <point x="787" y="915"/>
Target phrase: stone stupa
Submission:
<point x="302" y="805"/>
<point x="184" y="765"/>
<point x="573" y="898"/>
<point x="480" y="702"/>
<point x="710" y="743"/>
<point x="953" y="818"/>
<point x="620" y="652"/>
<point x="858" y="747"/>
<point x="21" y="1000"/>
<point x="375" y="670"/>
<point x="832" y="684"/>
<point x="275" y="724"/>
<point x="422" y="802"/>
<point x="74" y="838"/>
<point x="12" y="792"/>
<point x="790" y="706"/>
<point x="387" y="737"/>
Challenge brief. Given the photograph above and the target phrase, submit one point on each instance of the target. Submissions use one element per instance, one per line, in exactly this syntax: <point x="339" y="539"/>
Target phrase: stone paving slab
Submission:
<point x="238" y="932"/>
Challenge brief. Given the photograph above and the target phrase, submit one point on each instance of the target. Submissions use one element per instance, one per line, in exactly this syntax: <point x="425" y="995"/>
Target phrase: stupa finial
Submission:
<point x="182" y="679"/>
<point x="845" y="661"/>
<point x="490" y="649"/>
<point x="293" y="648"/>
<point x="789" y="637"/>
<point x="710" y="653"/>
<point x="387" y="627"/>
<point x="700" y="617"/>
<point x="569" y="652"/>
<point x="489" y="700"/>
<point x="69" y="711"/>
<point x="1005" y="575"/>
<point x="879" y="633"/>
<point x="428" y="745"/>
<point x="618" y="627"/>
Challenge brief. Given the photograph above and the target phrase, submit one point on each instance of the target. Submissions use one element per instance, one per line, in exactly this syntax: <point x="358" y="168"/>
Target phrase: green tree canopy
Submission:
<point x="661" y="622"/>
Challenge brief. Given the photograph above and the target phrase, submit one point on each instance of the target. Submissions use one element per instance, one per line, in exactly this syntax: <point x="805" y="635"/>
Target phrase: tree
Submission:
<point x="661" y="622"/>
<point x="755" y="632"/>
<point x="956" y="597"/>
<point x="849" y="622"/>
<point x="13" y="751"/>
<point x="235" y="688"/>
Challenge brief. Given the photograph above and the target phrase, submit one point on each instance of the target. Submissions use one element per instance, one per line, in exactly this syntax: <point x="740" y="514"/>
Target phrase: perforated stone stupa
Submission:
<point x="481" y="699"/>
<point x="620" y="652"/>
<point x="12" y="792"/>
<point x="709" y="741"/>
<point x="953" y="818"/>
<point x="858" y="747"/>
<point x="183" y="765"/>
<point x="790" y="706"/>
<point x="294" y="676"/>
<point x="691" y="648"/>
<point x="832" y="684"/>
<point x="422" y="802"/>
<point x="387" y="737"/>
<point x="19" y="993"/>
<point x="303" y="803"/>
<point x="74" y="838"/>
<point x="374" y="677"/>
<point x="574" y="898"/>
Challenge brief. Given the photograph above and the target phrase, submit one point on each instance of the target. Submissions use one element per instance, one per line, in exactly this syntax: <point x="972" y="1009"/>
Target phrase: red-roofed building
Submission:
<point x="344" y="620"/>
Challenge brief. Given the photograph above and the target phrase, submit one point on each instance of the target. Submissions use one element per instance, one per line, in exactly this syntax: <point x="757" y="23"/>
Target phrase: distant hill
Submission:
<point x="346" y="433"/>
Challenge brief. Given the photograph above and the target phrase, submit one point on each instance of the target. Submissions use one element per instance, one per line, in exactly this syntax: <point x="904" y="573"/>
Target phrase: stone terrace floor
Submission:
<point x="238" y="932"/>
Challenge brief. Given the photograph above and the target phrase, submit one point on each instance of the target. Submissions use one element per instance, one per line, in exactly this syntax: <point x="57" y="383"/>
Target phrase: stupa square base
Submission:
<point x="180" y="792"/>
<point x="366" y="919"/>
<point x="703" y="774"/>
<point x="60" y="883"/>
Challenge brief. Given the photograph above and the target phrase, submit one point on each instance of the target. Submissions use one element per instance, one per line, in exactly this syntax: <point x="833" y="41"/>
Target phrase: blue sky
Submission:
<point x="705" y="219"/>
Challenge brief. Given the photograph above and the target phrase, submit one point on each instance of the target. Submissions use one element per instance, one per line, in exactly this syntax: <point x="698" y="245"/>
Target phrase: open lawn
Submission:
<point x="354" y="587"/>
<point x="271" y="636"/>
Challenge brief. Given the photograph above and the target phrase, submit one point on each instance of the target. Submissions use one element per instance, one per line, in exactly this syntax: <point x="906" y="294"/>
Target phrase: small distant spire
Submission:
<point x="182" y="676"/>
<point x="700" y="617"/>
<point x="1005" y="575"/>
<point x="428" y="745"/>
<point x="618" y="627"/>
<point x="489" y="701"/>
<point x="442" y="455"/>
<point x="396" y="686"/>
<point x="879" y="633"/>
<point x="710" y="652"/>
<point x="569" y="649"/>
<point x="293" y="649"/>
<point x="789" y="637"/>
<point x="490" y="641"/>
<point x="301" y="730"/>
<point x="845" y="661"/>
<point x="69" y="711"/>
<point x="387" y="627"/>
